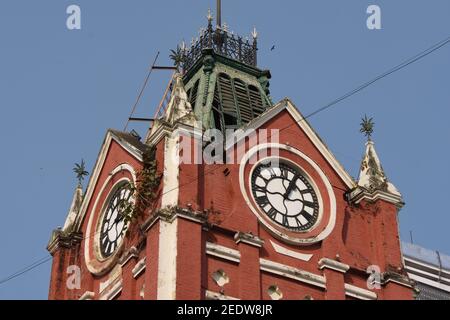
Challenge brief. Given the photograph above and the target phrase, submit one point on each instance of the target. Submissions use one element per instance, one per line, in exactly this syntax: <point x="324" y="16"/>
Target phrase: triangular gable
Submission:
<point x="287" y="105"/>
<point x="129" y="144"/>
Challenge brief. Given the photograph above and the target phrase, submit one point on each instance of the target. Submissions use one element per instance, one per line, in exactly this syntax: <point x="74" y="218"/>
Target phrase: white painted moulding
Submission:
<point x="333" y="265"/>
<point x="88" y="295"/>
<point x="219" y="251"/>
<point x="209" y="295"/>
<point x="359" y="293"/>
<point x="293" y="273"/>
<point x="139" y="268"/>
<point x="249" y="239"/>
<point x="113" y="292"/>
<point x="290" y="253"/>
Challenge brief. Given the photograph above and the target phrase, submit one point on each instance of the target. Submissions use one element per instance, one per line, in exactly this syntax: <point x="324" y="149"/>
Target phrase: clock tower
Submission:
<point x="229" y="196"/>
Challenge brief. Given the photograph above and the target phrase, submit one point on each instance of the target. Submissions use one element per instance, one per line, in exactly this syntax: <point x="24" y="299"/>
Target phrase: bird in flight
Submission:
<point x="273" y="48"/>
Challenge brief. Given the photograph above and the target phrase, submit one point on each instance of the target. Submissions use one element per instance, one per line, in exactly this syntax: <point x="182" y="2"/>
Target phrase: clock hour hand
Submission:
<point x="290" y="187"/>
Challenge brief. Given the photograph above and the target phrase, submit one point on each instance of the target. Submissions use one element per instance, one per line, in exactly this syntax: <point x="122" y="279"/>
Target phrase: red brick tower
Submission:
<point x="276" y="217"/>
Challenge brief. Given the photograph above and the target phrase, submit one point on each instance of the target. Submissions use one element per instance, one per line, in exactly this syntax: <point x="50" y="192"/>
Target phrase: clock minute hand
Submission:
<point x="290" y="187"/>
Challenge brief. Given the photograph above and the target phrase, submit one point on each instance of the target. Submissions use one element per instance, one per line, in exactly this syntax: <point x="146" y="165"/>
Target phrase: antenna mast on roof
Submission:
<point x="219" y="13"/>
<point x="141" y="92"/>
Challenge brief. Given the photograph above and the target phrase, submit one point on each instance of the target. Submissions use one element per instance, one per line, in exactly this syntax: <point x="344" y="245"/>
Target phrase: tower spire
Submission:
<point x="373" y="184"/>
<point x="371" y="175"/>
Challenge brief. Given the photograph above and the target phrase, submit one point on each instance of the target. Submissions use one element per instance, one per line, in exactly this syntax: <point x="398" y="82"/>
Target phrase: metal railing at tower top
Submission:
<point x="222" y="42"/>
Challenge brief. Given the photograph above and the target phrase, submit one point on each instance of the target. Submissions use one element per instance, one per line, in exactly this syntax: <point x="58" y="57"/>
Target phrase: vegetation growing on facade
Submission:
<point x="145" y="190"/>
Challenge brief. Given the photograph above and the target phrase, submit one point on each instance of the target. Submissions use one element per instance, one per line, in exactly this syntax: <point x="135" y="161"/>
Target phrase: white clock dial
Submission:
<point x="284" y="194"/>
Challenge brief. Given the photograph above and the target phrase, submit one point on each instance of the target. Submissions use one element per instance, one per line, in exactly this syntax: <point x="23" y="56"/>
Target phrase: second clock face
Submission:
<point x="284" y="194"/>
<point x="113" y="225"/>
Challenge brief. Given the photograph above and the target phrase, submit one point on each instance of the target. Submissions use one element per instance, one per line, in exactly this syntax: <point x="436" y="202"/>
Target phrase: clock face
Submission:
<point x="113" y="226"/>
<point x="284" y="194"/>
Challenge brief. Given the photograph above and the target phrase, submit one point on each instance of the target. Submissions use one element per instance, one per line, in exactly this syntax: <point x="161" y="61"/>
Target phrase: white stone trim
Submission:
<point x="248" y="239"/>
<point x="160" y="132"/>
<point x="358" y="195"/>
<point x="290" y="253"/>
<point x="332" y="198"/>
<point x="398" y="282"/>
<point x="188" y="131"/>
<point x="359" y="293"/>
<point x="130" y="254"/>
<point x="170" y="192"/>
<point x="292" y="273"/>
<point x="222" y="252"/>
<point x="167" y="265"/>
<point x="194" y="218"/>
<point x="333" y="265"/>
<point x="88" y="295"/>
<point x="209" y="295"/>
<point x="113" y="292"/>
<point x="139" y="268"/>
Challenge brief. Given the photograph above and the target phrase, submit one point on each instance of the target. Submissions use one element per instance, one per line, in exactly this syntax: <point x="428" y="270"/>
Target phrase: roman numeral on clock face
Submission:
<point x="263" y="201"/>
<point x="259" y="189"/>
<point x="309" y="204"/>
<point x="272" y="213"/>
<point x="284" y="173"/>
<point x="306" y="215"/>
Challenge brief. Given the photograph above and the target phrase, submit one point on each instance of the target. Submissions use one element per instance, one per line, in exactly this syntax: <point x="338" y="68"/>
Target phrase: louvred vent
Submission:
<point x="243" y="101"/>
<point x="228" y="102"/>
<point x="256" y="99"/>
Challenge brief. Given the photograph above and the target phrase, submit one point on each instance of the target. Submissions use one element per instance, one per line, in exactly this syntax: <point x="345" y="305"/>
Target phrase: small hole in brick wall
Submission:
<point x="220" y="277"/>
<point x="275" y="293"/>
<point x="226" y="172"/>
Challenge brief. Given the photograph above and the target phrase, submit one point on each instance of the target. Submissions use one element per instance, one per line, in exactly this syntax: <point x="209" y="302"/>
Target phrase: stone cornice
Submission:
<point x="396" y="278"/>
<point x="326" y="263"/>
<point x="61" y="239"/>
<point x="249" y="239"/>
<point x="170" y="214"/>
<point x="360" y="193"/>
<point x="131" y="253"/>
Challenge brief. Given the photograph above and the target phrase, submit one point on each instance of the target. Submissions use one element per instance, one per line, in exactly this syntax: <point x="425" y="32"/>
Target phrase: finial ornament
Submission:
<point x="210" y="17"/>
<point x="177" y="56"/>
<point x="254" y="33"/>
<point x="367" y="126"/>
<point x="80" y="171"/>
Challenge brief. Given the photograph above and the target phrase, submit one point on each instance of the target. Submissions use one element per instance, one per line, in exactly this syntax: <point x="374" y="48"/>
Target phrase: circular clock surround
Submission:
<point x="322" y="223"/>
<point x="96" y="262"/>
<point x="285" y="194"/>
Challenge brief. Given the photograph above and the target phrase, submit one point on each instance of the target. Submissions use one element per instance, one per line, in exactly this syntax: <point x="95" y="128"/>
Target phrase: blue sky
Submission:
<point x="61" y="90"/>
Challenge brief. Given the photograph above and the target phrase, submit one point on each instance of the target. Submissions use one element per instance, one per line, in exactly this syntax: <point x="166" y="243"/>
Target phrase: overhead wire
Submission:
<point x="327" y="106"/>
